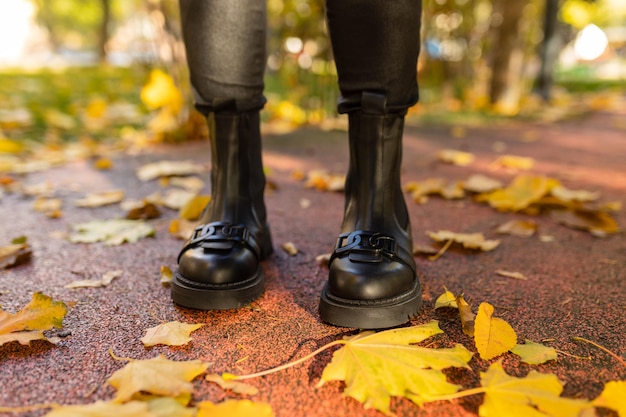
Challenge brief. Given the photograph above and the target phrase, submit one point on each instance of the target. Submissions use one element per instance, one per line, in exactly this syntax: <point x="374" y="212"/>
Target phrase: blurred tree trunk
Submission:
<point x="549" y="48"/>
<point x="103" y="35"/>
<point x="508" y="55"/>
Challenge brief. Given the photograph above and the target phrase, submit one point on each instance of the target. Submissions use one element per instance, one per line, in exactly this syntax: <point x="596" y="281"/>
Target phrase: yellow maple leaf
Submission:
<point x="158" y="375"/>
<point x="103" y="409"/>
<point x="520" y="193"/>
<point x="173" y="333"/>
<point x="613" y="397"/>
<point x="410" y="371"/>
<point x="534" y="353"/>
<point x="235" y="408"/>
<point x="41" y="313"/>
<point x="492" y="335"/>
<point x="534" y="395"/>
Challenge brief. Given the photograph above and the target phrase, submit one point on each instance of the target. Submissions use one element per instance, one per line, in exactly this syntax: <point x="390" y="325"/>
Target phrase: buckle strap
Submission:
<point x="370" y="247"/>
<point x="221" y="236"/>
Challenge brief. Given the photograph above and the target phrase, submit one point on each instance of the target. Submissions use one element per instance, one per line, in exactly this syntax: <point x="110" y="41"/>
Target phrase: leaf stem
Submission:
<point x="441" y="251"/>
<point x="117" y="358"/>
<point x="616" y="356"/>
<point x="588" y="358"/>
<point x="290" y="364"/>
<point x="457" y="395"/>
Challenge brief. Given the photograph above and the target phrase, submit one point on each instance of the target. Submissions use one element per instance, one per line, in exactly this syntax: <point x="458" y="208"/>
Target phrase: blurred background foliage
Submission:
<point x="70" y="68"/>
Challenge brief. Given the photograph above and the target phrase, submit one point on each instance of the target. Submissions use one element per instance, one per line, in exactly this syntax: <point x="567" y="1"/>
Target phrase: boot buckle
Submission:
<point x="366" y="246"/>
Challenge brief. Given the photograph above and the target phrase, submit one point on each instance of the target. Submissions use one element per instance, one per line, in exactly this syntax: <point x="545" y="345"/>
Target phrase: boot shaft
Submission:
<point x="237" y="178"/>
<point x="374" y="199"/>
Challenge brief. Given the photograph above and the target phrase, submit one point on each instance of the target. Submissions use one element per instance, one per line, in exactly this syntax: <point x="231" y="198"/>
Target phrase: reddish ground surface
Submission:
<point x="575" y="284"/>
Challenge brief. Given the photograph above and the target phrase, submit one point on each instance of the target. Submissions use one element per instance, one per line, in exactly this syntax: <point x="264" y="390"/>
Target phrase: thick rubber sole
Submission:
<point x="377" y="314"/>
<point x="200" y="296"/>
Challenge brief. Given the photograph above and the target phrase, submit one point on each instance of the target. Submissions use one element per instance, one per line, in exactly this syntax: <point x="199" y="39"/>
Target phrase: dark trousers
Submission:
<point x="375" y="46"/>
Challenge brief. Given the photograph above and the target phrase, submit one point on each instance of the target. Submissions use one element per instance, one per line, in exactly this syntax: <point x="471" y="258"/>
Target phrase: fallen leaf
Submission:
<point x="511" y="274"/>
<point x="103" y="409"/>
<point x="111" y="232"/>
<point x="41" y="313"/>
<point x="514" y="162"/>
<point x="492" y="335"/>
<point x="192" y="184"/>
<point x="234" y="408"/>
<point x="168" y="168"/>
<point x="467" y="316"/>
<point x="182" y="229"/>
<point x="173" y="333"/>
<point x="10" y="146"/>
<point x="424" y="250"/>
<point x="468" y="240"/>
<point x="234" y="386"/>
<point x="158" y="375"/>
<point x="145" y="211"/>
<point x="51" y="207"/>
<point x="613" y="397"/>
<point x="100" y="199"/>
<point x="455" y="157"/>
<point x="192" y="210"/>
<point x="479" y="183"/>
<point x="323" y="181"/>
<point x="409" y="371"/>
<point x="447" y="299"/>
<point x="566" y="194"/>
<point x="521" y="193"/>
<point x="42" y="189"/>
<point x="435" y="186"/>
<point x="534" y="395"/>
<point x="14" y="254"/>
<point x="166" y="275"/>
<point x="522" y="228"/>
<point x="290" y="248"/>
<point x="174" y="198"/>
<point x="534" y="353"/>
<point x="161" y="91"/>
<point x="103" y="164"/>
<point x="170" y="407"/>
<point x="106" y="279"/>
<point x="598" y="223"/>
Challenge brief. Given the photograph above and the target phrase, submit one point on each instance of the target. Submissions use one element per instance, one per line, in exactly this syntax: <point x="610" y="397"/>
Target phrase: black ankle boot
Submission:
<point x="219" y="266"/>
<point x="372" y="279"/>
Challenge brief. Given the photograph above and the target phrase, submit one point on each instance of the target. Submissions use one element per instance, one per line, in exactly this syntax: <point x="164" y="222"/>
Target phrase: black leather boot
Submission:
<point x="219" y="266"/>
<point x="372" y="278"/>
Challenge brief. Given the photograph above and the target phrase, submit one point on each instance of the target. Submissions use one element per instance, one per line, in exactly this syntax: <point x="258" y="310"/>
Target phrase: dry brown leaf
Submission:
<point x="145" y="211"/>
<point x="522" y="228"/>
<point x="234" y="386"/>
<point x="479" y="183"/>
<point x="511" y="274"/>
<point x="466" y="315"/>
<point x="468" y="240"/>
<point x="173" y="333"/>
<point x="100" y="199"/>
<point x="452" y="156"/>
<point x="106" y="279"/>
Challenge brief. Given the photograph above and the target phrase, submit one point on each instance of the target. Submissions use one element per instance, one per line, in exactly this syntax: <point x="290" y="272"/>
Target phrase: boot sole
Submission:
<point x="378" y="314"/>
<point x="217" y="297"/>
